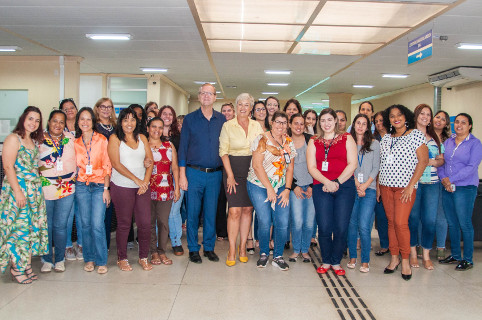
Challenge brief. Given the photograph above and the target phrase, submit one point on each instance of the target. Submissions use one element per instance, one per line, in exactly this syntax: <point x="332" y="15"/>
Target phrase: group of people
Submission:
<point x="290" y="168"/>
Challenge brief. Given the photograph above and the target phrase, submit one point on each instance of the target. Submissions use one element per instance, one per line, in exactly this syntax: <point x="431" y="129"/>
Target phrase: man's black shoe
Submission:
<point x="464" y="265"/>
<point x="195" y="257"/>
<point x="211" y="256"/>
<point x="448" y="260"/>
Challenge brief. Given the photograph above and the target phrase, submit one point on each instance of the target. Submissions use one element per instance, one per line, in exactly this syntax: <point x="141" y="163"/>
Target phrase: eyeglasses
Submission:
<point x="260" y="109"/>
<point x="104" y="107"/>
<point x="283" y="123"/>
<point x="206" y="93"/>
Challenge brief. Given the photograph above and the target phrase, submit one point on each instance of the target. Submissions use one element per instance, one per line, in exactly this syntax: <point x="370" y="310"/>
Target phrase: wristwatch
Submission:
<point x="336" y="180"/>
<point x="106" y="188"/>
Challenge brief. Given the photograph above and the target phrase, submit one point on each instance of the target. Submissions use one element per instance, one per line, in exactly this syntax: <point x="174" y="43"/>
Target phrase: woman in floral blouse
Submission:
<point x="57" y="168"/>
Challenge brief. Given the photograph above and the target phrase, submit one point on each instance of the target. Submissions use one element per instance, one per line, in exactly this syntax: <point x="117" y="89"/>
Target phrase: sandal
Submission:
<point x="165" y="260"/>
<point x="89" y="266"/>
<point x="427" y="264"/>
<point x="382" y="252"/>
<point x="102" y="270"/>
<point x="293" y="257"/>
<point x="29" y="273"/>
<point x="20" y="277"/>
<point x="155" y="259"/>
<point x="250" y="250"/>
<point x="145" y="264"/>
<point x="350" y="265"/>
<point x="414" y="263"/>
<point x="365" y="269"/>
<point x="124" y="265"/>
<point x="306" y="257"/>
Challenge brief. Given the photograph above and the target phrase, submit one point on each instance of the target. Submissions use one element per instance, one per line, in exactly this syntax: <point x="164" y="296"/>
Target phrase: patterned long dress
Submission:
<point x="23" y="231"/>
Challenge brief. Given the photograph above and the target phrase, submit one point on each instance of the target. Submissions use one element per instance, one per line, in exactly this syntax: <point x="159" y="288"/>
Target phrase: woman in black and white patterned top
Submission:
<point x="403" y="156"/>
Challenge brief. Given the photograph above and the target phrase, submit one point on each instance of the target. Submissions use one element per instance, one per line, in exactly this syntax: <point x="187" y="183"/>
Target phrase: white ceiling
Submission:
<point x="165" y="35"/>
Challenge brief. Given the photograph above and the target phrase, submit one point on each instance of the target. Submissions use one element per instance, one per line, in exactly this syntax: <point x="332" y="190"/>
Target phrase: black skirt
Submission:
<point x="240" y="166"/>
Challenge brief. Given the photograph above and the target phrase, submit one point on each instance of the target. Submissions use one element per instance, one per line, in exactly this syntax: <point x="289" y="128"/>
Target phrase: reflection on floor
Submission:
<point x="214" y="291"/>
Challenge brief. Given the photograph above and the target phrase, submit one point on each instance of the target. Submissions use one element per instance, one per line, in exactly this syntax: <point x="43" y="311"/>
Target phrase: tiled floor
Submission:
<point x="214" y="291"/>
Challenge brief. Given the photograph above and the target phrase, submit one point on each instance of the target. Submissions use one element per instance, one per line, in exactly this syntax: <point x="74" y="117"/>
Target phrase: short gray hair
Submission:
<point x="207" y="84"/>
<point x="245" y="96"/>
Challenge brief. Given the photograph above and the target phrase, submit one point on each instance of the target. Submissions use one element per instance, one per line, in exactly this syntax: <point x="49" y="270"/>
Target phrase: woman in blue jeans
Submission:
<point x="269" y="183"/>
<point x="302" y="210"/>
<point x="424" y="209"/>
<point x="331" y="158"/>
<point x="460" y="179"/>
<point x="361" y="221"/>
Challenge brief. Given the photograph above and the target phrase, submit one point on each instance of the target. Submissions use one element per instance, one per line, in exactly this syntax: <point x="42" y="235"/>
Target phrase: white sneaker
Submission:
<point x="59" y="266"/>
<point x="46" y="267"/>
<point x="80" y="255"/>
<point x="70" y="254"/>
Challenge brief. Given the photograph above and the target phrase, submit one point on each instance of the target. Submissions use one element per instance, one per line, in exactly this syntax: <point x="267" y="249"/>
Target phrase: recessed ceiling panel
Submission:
<point x="352" y="34"/>
<point x="249" y="46"/>
<point x="331" y="48"/>
<point x="268" y="11"/>
<point x="352" y="13"/>
<point x="251" y="31"/>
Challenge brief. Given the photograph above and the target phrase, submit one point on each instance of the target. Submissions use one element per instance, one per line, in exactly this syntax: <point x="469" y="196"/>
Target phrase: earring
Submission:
<point x="406" y="124"/>
<point x="428" y="125"/>
<point x="391" y="128"/>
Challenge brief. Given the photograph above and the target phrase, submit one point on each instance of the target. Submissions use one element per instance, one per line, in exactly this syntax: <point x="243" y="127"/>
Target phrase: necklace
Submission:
<point x="51" y="135"/>
<point x="108" y="127"/>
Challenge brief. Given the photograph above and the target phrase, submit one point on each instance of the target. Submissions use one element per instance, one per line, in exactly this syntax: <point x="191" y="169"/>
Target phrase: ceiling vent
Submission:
<point x="456" y="76"/>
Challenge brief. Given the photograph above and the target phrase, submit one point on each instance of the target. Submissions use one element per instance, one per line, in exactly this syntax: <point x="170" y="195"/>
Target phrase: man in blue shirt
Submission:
<point x="201" y="171"/>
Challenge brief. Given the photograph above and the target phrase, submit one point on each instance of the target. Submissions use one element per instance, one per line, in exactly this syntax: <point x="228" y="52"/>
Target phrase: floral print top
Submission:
<point x="57" y="167"/>
<point x="162" y="186"/>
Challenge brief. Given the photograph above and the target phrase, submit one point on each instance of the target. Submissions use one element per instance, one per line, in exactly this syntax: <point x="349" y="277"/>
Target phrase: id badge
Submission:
<point x="390" y="159"/>
<point x="287" y="158"/>
<point x="453" y="187"/>
<point x="60" y="166"/>
<point x="324" y="166"/>
<point x="154" y="170"/>
<point x="360" y="177"/>
<point x="88" y="169"/>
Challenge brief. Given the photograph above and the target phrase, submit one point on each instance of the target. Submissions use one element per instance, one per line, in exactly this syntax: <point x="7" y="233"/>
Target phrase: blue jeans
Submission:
<point x="424" y="210"/>
<point x="361" y="221"/>
<point x="382" y="224"/>
<point x="175" y="221"/>
<point x="441" y="226"/>
<point x="333" y="211"/>
<point x="302" y="216"/>
<point x="70" y="225"/>
<point x="265" y="213"/>
<point x="458" y="207"/>
<point x="57" y="216"/>
<point x="202" y="187"/>
<point x="92" y="213"/>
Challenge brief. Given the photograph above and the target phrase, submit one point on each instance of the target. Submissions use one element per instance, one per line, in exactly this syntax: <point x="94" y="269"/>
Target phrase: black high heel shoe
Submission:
<point x="18" y="274"/>
<point x="388" y="270"/>
<point x="29" y="273"/>
<point x="407" y="277"/>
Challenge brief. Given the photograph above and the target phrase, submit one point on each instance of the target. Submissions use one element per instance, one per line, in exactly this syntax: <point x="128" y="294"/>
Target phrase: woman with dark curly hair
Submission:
<point x="404" y="157"/>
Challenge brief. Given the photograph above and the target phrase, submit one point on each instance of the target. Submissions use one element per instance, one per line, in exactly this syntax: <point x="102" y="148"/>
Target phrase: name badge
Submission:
<point x="88" y="169"/>
<point x="287" y="158"/>
<point x="453" y="187"/>
<point x="390" y="159"/>
<point x="60" y="165"/>
<point x="324" y="166"/>
<point x="154" y="169"/>
<point x="360" y="177"/>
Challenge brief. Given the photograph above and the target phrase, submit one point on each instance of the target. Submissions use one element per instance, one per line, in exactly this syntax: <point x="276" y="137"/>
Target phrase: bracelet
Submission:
<point x="289" y="188"/>
<point x="106" y="188"/>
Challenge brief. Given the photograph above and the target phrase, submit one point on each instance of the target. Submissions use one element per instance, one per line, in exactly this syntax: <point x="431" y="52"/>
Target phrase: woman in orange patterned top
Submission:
<point x="163" y="191"/>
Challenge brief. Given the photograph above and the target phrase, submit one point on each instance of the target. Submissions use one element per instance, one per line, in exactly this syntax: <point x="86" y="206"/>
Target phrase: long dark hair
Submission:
<point x="37" y="135"/>
<point x="430" y="129"/>
<point x="367" y="135"/>
<point x="409" y="118"/>
<point x="78" y="132"/>
<point x="173" y="130"/>
<point x="446" y="130"/>
<point x="53" y="113"/>
<point x="266" y="120"/>
<point x="119" y="132"/>
<point x="306" y="113"/>
<point x="143" y="122"/>
<point x="377" y="134"/>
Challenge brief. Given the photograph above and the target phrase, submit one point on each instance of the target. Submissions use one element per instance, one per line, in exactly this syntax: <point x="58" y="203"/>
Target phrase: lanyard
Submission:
<point x="395" y="142"/>
<point x="90" y="146"/>
<point x="360" y="162"/>
<point x="278" y="142"/>
<point x="328" y="149"/>
<point x="60" y="152"/>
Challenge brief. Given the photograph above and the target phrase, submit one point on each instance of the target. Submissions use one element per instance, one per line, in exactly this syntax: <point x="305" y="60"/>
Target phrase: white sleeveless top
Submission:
<point x="133" y="160"/>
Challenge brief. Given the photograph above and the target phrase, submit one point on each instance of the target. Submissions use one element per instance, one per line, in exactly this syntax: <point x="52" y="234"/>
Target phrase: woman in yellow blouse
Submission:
<point x="234" y="149"/>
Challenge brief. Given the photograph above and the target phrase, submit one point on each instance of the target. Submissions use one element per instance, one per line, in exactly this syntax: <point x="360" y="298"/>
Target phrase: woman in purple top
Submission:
<point x="460" y="179"/>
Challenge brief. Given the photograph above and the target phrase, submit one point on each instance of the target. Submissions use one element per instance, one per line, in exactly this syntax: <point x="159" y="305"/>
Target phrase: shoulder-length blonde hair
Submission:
<point x="113" y="119"/>
<point x="320" y="134"/>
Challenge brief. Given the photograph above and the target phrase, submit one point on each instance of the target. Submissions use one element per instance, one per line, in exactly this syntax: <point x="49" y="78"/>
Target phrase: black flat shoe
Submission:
<point x="195" y="257"/>
<point x="406" y="277"/>
<point x="250" y="250"/>
<point x="464" y="265"/>
<point x="388" y="270"/>
<point x="381" y="253"/>
<point x="211" y="256"/>
<point x="306" y="260"/>
<point x="448" y="260"/>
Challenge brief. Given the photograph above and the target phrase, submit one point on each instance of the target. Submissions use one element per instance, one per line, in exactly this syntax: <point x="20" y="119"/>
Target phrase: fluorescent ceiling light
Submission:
<point x="218" y="92"/>
<point x="325" y="100"/>
<point x="109" y="36"/>
<point x="317" y="103"/>
<point x="277" y="71"/>
<point x="362" y="86"/>
<point x="469" y="46"/>
<point x="278" y="84"/>
<point x="392" y="75"/>
<point x="262" y="99"/>
<point x="153" y="69"/>
<point x="270" y="93"/>
<point x="203" y="82"/>
<point x="9" y="48"/>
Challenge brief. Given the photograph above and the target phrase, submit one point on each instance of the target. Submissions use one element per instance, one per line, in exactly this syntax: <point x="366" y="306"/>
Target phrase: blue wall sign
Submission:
<point x="420" y="48"/>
